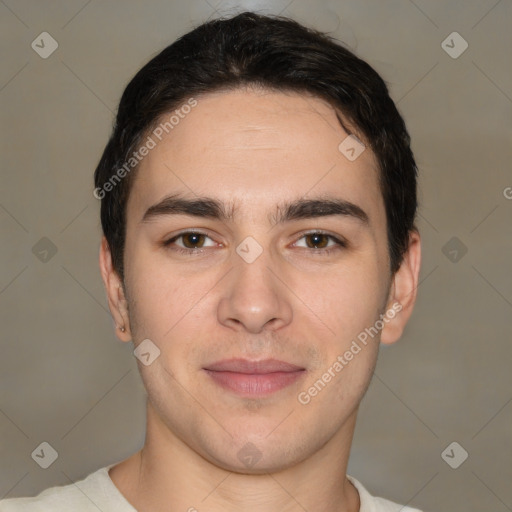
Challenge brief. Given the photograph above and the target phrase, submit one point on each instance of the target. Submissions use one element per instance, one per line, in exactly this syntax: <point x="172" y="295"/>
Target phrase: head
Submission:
<point x="236" y="225"/>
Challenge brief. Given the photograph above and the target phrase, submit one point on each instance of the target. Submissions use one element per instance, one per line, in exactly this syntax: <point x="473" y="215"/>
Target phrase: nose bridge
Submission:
<point x="253" y="266"/>
<point x="254" y="296"/>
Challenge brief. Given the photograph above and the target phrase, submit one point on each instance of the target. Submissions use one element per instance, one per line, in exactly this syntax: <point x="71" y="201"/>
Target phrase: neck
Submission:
<point x="167" y="475"/>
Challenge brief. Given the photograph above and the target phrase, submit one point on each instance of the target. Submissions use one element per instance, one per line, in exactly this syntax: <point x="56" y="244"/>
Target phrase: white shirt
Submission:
<point x="98" y="492"/>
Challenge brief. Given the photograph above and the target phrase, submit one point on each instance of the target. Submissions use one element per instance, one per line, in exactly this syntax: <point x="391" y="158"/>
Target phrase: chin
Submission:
<point x="257" y="455"/>
<point x="261" y="464"/>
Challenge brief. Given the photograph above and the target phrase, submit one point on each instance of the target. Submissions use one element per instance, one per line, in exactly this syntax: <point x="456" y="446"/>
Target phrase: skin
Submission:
<point x="253" y="149"/>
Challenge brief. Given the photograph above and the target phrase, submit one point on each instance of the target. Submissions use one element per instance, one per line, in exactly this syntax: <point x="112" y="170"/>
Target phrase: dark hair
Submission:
<point x="276" y="53"/>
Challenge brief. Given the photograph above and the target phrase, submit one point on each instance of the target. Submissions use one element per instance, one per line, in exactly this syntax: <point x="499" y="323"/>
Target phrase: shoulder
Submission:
<point x="82" y="496"/>
<point x="371" y="503"/>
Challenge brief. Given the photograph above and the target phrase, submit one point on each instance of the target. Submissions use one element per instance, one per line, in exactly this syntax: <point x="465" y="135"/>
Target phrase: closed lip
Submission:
<point x="247" y="366"/>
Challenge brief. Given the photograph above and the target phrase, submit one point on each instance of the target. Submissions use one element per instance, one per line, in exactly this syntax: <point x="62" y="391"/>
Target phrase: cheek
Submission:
<point x="350" y="306"/>
<point x="157" y="297"/>
<point x="347" y="298"/>
<point x="167" y="304"/>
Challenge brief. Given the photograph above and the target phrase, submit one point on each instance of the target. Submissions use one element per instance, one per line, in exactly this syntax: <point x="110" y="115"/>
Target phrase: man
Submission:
<point x="258" y="197"/>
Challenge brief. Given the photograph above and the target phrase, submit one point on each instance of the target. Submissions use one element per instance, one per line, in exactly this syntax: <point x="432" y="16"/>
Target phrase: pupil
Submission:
<point x="193" y="238"/>
<point x="316" y="239"/>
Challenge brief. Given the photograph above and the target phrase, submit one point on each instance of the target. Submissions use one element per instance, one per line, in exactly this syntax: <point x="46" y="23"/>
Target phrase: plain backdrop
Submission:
<point x="67" y="381"/>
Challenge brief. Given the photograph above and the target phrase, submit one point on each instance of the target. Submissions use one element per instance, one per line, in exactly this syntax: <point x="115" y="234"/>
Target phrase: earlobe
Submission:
<point x="403" y="291"/>
<point x="115" y="293"/>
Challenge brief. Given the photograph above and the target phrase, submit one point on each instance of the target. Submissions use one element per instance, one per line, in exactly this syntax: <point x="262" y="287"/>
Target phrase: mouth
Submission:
<point x="254" y="378"/>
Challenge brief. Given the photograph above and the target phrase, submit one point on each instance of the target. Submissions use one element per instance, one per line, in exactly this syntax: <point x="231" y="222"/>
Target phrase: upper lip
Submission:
<point x="252" y="367"/>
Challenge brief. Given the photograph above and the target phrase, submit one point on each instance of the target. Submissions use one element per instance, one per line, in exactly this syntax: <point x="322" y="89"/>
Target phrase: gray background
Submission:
<point x="66" y="380"/>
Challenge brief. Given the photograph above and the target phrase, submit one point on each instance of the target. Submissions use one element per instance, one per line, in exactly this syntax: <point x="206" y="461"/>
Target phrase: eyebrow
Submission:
<point x="207" y="207"/>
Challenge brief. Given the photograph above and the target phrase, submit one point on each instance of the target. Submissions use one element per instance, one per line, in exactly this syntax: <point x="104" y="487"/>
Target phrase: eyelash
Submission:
<point x="340" y="244"/>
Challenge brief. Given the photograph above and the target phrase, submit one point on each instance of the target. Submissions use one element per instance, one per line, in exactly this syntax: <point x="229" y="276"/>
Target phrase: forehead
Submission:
<point x="257" y="147"/>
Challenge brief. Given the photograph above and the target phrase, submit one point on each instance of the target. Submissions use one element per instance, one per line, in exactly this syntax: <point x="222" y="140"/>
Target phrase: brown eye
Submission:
<point x="321" y="243"/>
<point x="191" y="240"/>
<point x="318" y="240"/>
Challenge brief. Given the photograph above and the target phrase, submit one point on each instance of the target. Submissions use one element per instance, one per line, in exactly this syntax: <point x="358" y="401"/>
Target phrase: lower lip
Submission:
<point x="254" y="384"/>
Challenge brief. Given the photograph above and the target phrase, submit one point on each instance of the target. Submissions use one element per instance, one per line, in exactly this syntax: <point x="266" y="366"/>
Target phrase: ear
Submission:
<point x="402" y="296"/>
<point x="115" y="293"/>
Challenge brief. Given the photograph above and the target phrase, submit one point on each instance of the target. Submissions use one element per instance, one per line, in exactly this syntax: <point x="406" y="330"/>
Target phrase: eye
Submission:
<point x="319" y="242"/>
<point x="191" y="241"/>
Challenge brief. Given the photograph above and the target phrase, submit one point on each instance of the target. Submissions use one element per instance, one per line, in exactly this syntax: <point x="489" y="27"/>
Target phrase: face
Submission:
<point x="286" y="261"/>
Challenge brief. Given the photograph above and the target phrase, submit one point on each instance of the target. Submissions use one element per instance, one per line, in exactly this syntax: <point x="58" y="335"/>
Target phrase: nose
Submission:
<point x="255" y="297"/>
